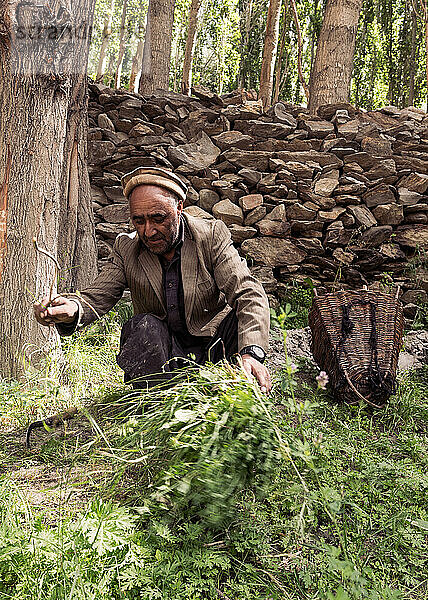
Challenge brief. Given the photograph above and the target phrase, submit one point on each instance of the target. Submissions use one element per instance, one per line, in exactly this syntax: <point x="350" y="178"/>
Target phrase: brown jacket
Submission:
<point x="215" y="279"/>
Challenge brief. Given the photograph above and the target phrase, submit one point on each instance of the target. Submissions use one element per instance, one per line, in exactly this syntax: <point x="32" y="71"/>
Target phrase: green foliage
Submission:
<point x="341" y="516"/>
<point x="201" y="442"/>
<point x="295" y="305"/>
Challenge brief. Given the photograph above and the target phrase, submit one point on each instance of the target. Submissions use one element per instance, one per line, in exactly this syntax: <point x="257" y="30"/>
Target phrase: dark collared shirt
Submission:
<point x="174" y="298"/>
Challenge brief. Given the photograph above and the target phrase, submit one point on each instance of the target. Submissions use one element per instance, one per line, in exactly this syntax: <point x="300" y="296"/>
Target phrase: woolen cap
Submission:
<point x="154" y="176"/>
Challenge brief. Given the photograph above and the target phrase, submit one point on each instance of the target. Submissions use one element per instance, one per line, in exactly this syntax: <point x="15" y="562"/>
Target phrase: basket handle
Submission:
<point x="357" y="393"/>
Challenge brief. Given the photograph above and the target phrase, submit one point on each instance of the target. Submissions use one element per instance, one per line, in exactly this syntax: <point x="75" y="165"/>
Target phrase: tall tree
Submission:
<point x="269" y="52"/>
<point x="137" y="58"/>
<point x="102" y="59"/>
<point x="186" y="82"/>
<point x="43" y="119"/>
<point x="331" y="73"/>
<point x="157" y="46"/>
<point x="122" y="45"/>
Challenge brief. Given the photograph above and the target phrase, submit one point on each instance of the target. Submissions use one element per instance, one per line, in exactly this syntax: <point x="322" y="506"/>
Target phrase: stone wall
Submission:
<point x="343" y="195"/>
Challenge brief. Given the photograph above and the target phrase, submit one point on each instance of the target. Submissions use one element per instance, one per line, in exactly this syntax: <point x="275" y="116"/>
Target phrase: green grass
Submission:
<point x="210" y="490"/>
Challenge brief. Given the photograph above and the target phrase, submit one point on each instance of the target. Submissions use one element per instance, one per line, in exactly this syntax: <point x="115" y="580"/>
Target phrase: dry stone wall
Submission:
<point x="341" y="195"/>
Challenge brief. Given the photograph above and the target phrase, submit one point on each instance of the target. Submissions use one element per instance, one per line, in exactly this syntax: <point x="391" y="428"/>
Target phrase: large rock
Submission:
<point x="381" y="194"/>
<point x="407" y="197"/>
<point x="251" y="160"/>
<point x="199" y="154"/>
<point x="115" y="194"/>
<point x="363" y="216"/>
<point x="228" y="212"/>
<point x="375" y="236"/>
<point x="250" y="202"/>
<point x="233" y="139"/>
<point x="317" y="128"/>
<point x="326" y="185"/>
<point x="100" y="152"/>
<point x="197" y="211"/>
<point x="273" y="252"/>
<point x="389" y="214"/>
<point x="275" y="224"/>
<point x="255" y="215"/>
<point x="207" y="199"/>
<point x="263" y="130"/>
<point x="300" y="212"/>
<point x="415" y="182"/>
<point x="412" y="236"/>
<point x="240" y="233"/>
<point x="114" y="213"/>
<point x="322" y="158"/>
<point x="327" y="216"/>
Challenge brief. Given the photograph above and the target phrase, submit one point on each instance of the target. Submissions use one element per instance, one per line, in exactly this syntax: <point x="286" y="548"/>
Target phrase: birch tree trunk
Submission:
<point x="157" y="46"/>
<point x="43" y="121"/>
<point x="137" y="59"/>
<point x="279" y="76"/>
<point x="122" y="46"/>
<point x="269" y="52"/>
<point x="245" y="26"/>
<point x="331" y="73"/>
<point x="101" y="68"/>
<point x="186" y="82"/>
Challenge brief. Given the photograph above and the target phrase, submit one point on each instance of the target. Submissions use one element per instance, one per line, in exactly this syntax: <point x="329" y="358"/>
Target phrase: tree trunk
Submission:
<point x="101" y="68"/>
<point x="278" y="76"/>
<point x="246" y="18"/>
<point x="157" y="46"/>
<point x="412" y="65"/>
<point x="122" y="45"/>
<point x="186" y="82"/>
<point x="269" y="52"/>
<point x="43" y="119"/>
<point x="331" y="74"/>
<point x="137" y="59"/>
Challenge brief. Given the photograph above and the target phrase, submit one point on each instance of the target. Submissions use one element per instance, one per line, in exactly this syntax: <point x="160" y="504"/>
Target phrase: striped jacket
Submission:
<point x="215" y="280"/>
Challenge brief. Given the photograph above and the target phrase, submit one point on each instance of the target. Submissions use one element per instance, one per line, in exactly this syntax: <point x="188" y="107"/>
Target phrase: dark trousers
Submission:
<point x="151" y="354"/>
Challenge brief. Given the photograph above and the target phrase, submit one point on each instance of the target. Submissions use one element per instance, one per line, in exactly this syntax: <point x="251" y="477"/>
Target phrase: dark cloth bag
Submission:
<point x="151" y="354"/>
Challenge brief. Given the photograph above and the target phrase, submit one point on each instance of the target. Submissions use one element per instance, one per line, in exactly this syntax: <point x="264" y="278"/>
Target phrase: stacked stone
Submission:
<point x="341" y="195"/>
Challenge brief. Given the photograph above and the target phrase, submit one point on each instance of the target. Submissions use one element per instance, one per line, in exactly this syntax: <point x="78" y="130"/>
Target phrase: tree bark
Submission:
<point x="269" y="52"/>
<point x="122" y="46"/>
<point x="245" y="26"/>
<point x="279" y="76"/>
<point x="186" y="82"/>
<point x="137" y="59"/>
<point x="157" y="46"/>
<point x="42" y="119"/>
<point x="101" y="68"/>
<point x="331" y="74"/>
<point x="412" y="63"/>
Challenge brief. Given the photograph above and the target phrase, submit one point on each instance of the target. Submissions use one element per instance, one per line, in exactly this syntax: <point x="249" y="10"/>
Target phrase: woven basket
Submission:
<point x="356" y="339"/>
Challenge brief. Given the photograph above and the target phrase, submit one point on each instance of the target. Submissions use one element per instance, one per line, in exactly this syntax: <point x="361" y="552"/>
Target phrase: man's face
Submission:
<point x="156" y="217"/>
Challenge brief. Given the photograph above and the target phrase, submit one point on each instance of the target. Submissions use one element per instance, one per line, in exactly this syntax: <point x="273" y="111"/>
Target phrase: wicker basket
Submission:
<point x="356" y="339"/>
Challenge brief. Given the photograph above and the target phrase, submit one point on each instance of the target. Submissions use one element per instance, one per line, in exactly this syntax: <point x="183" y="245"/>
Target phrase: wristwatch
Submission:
<point x="255" y="351"/>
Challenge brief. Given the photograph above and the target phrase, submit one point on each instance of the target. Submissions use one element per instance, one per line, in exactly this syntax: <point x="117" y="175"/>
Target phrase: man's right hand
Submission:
<point x="58" y="310"/>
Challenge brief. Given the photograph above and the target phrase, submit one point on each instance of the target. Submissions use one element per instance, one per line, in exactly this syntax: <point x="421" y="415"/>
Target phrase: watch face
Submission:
<point x="258" y="352"/>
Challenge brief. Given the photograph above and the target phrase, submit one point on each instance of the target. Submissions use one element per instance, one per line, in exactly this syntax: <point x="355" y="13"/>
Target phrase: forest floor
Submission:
<point x="342" y="516"/>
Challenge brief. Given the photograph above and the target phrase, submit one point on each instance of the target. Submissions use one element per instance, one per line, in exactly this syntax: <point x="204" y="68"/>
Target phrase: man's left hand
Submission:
<point x="253" y="367"/>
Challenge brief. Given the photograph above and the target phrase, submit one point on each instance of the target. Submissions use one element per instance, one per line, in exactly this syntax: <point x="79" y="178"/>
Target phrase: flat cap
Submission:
<point x="154" y="176"/>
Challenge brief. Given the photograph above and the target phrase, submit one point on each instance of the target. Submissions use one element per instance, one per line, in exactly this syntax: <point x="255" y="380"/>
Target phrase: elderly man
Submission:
<point x="192" y="294"/>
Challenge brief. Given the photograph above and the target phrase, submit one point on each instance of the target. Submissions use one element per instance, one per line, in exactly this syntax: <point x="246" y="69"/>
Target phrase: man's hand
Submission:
<point x="253" y="367"/>
<point x="58" y="310"/>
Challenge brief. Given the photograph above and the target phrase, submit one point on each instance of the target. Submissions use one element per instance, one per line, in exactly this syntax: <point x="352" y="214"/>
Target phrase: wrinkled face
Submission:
<point x="155" y="215"/>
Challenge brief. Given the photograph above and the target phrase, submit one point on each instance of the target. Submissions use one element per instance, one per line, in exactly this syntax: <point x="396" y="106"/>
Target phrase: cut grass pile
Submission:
<point x="210" y="490"/>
